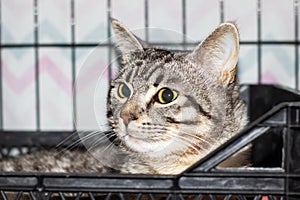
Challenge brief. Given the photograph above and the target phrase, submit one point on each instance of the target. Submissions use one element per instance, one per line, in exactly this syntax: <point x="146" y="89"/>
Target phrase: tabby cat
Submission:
<point x="167" y="109"/>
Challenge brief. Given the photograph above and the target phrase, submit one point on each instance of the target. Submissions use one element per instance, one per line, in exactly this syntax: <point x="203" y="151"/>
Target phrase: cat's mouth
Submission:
<point x="143" y="144"/>
<point x="135" y="138"/>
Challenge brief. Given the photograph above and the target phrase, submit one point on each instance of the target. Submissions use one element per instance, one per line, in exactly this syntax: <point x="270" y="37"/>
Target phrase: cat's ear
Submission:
<point x="126" y="41"/>
<point x="218" y="53"/>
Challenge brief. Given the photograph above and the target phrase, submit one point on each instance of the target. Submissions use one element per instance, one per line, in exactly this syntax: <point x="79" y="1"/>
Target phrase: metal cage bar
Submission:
<point x="1" y="75"/>
<point x="184" y="23"/>
<point x="222" y="11"/>
<point x="110" y="50"/>
<point x="36" y="58"/>
<point x="146" y="10"/>
<point x="296" y="18"/>
<point x="73" y="57"/>
<point x="259" y="43"/>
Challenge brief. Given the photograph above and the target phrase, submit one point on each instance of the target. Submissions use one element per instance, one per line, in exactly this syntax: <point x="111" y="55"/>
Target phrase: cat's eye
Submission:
<point x="166" y="95"/>
<point x="124" y="91"/>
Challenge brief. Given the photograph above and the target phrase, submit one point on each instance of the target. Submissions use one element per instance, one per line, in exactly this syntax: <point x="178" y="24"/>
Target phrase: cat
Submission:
<point x="166" y="109"/>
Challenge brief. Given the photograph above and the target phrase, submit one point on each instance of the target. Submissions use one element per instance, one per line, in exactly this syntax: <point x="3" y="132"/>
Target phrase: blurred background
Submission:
<point x="45" y="43"/>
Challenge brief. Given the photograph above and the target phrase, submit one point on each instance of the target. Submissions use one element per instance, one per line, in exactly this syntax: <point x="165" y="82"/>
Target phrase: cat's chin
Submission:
<point x="144" y="146"/>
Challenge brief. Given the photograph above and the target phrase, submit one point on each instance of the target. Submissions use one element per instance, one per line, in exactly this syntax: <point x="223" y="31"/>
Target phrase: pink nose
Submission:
<point x="128" y="117"/>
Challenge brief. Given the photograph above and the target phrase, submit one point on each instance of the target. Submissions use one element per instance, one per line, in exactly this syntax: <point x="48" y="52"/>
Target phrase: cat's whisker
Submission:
<point x="96" y="143"/>
<point x="190" y="134"/>
<point x="70" y="137"/>
<point x="107" y="148"/>
<point x="90" y="135"/>
<point x="188" y="143"/>
<point x="191" y="141"/>
<point x="181" y="138"/>
<point x="103" y="135"/>
<point x="81" y="140"/>
<point x="197" y="137"/>
<point x="110" y="146"/>
<point x="62" y="150"/>
<point x="97" y="140"/>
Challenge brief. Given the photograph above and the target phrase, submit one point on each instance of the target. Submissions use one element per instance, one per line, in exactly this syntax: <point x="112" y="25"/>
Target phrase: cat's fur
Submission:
<point x="165" y="138"/>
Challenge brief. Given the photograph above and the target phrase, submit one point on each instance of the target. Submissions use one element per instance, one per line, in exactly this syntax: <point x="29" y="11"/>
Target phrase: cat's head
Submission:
<point x="166" y="102"/>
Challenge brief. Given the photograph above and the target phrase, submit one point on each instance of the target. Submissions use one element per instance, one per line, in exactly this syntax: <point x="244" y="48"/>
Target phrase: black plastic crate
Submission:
<point x="274" y="130"/>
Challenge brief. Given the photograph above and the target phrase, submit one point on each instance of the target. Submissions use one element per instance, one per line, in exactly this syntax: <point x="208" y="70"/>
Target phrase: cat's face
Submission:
<point x="165" y="102"/>
<point x="152" y="108"/>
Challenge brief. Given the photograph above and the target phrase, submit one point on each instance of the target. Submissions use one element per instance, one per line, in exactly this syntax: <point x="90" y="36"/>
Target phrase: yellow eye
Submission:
<point x="166" y="95"/>
<point x="123" y="91"/>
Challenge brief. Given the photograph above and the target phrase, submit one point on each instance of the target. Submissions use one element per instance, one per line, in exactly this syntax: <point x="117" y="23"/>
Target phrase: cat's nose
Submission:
<point x="128" y="117"/>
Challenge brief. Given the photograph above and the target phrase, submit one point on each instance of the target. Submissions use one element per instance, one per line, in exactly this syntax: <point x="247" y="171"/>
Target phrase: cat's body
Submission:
<point x="55" y="161"/>
<point x="169" y="109"/>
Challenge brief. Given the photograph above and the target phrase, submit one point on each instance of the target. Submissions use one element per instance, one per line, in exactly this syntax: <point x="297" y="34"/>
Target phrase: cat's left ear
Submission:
<point x="218" y="53"/>
<point x="126" y="41"/>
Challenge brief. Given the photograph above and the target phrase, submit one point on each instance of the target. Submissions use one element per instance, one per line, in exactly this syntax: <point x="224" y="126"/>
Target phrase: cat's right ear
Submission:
<point x="218" y="53"/>
<point x="126" y="41"/>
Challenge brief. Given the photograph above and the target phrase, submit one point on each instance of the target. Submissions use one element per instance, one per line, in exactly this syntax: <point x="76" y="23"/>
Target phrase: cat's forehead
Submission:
<point x="153" y="67"/>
